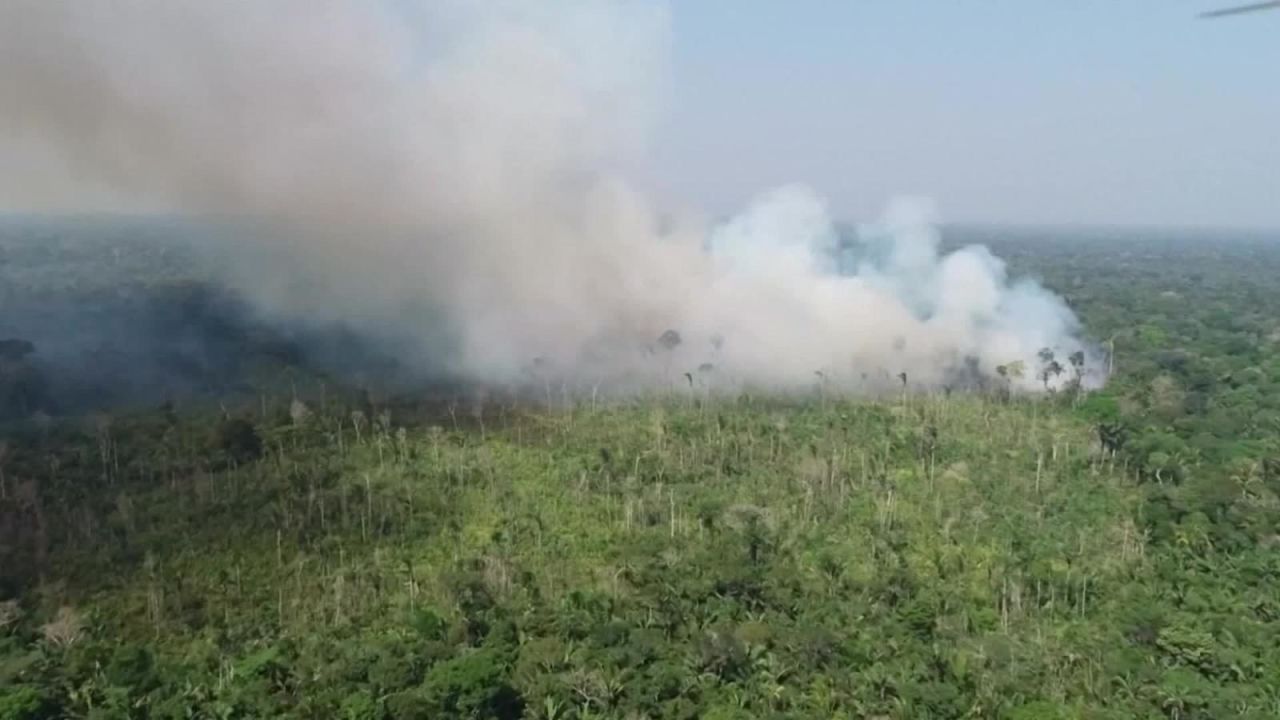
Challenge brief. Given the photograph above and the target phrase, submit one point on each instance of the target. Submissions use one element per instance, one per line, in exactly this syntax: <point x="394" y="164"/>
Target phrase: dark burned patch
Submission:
<point x="15" y="349"/>
<point x="140" y="346"/>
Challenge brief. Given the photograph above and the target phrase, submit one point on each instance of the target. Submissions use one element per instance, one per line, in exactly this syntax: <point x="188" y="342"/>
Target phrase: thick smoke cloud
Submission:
<point x="449" y="177"/>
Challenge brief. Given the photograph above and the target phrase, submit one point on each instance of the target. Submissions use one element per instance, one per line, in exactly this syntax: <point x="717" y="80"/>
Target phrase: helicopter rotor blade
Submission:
<point x="1241" y="9"/>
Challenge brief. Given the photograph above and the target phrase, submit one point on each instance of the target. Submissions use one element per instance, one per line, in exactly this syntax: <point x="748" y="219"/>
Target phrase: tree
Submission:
<point x="238" y="440"/>
<point x="474" y="685"/>
<point x="25" y="702"/>
<point x="23" y="388"/>
<point x="15" y="349"/>
<point x="1077" y="363"/>
<point x="669" y="340"/>
<point x="1112" y="436"/>
<point x="1050" y="367"/>
<point x="1052" y="370"/>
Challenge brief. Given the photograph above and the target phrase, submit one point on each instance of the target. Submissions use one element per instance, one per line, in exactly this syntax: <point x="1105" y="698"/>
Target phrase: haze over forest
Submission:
<point x="418" y="359"/>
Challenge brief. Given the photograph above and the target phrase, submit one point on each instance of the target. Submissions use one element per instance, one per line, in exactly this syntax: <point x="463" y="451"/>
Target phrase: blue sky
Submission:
<point x="1028" y="111"/>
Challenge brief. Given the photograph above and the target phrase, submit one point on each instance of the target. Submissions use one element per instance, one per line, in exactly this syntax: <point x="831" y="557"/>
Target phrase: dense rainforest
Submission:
<point x="248" y="529"/>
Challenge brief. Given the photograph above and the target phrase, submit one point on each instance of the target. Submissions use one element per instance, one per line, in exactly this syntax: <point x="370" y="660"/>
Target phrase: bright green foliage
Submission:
<point x="24" y="702"/>
<point x="1108" y="555"/>
<point x="937" y="557"/>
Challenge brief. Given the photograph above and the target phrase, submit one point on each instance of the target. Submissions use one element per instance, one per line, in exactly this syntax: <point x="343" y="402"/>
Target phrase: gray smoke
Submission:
<point x="450" y="176"/>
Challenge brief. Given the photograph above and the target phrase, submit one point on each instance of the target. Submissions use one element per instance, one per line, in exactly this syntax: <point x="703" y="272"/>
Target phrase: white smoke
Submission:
<point x="451" y="175"/>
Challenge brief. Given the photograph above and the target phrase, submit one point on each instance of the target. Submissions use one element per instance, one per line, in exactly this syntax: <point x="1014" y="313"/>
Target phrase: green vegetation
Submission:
<point x="1113" y="555"/>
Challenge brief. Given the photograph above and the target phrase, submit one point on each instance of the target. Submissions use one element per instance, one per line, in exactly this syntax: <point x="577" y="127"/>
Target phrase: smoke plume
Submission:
<point x="449" y="177"/>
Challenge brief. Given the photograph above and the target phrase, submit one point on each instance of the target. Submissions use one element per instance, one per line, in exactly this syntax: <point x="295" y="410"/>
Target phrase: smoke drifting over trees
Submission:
<point x="450" y="177"/>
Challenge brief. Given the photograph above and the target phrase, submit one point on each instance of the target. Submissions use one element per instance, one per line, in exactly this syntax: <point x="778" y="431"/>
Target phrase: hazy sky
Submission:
<point x="1064" y="111"/>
